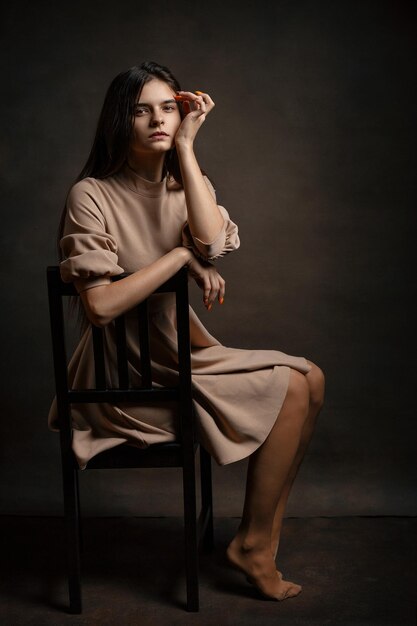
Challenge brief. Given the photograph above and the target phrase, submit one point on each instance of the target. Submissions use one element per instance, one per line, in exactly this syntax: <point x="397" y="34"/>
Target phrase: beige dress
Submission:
<point x="121" y="224"/>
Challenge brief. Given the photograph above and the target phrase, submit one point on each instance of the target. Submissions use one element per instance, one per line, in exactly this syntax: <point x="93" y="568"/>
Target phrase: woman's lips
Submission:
<point x="158" y="135"/>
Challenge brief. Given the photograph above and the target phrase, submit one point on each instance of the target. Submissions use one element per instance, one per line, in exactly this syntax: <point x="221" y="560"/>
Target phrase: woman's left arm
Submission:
<point x="204" y="217"/>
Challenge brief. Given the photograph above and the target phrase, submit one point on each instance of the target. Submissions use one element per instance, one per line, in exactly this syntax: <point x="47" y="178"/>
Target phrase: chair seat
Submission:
<point x="128" y="456"/>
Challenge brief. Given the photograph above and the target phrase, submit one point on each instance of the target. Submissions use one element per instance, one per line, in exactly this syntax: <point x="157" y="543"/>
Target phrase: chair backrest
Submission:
<point x="125" y="392"/>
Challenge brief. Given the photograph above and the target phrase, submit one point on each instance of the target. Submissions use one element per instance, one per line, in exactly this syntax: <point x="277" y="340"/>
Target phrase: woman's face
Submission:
<point x="157" y="119"/>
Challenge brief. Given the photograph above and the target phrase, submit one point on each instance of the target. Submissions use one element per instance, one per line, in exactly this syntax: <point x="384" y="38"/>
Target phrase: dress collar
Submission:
<point x="141" y="185"/>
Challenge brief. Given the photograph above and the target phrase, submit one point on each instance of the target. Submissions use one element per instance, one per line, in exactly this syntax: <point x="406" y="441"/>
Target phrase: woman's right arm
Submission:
<point x="106" y="302"/>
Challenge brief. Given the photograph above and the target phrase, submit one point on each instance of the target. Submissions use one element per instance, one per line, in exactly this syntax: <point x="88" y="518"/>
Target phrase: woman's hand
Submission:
<point x="208" y="279"/>
<point x="196" y="107"/>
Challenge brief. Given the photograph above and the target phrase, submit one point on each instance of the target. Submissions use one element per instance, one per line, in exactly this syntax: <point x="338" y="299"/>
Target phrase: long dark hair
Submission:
<point x="114" y="129"/>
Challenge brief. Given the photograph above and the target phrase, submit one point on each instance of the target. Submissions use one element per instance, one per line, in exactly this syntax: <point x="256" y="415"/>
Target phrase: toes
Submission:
<point x="292" y="592"/>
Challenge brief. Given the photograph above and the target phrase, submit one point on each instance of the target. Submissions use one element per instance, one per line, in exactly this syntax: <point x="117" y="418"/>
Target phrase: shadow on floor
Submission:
<point x="354" y="572"/>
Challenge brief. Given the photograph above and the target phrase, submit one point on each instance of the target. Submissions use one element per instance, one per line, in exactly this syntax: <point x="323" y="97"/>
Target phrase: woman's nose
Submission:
<point x="157" y="118"/>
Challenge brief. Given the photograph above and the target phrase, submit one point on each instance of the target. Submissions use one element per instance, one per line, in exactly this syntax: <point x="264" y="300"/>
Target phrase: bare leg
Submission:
<point x="269" y="466"/>
<point x="315" y="381"/>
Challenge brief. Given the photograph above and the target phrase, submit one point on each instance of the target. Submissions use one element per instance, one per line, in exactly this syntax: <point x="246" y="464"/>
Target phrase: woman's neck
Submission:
<point x="152" y="169"/>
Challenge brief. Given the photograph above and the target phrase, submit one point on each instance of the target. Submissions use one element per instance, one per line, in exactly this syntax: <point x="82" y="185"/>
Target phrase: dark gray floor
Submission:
<point x="355" y="571"/>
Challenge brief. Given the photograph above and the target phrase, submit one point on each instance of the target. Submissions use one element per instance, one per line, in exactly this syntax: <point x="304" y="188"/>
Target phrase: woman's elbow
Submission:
<point x="100" y="321"/>
<point x="97" y="318"/>
<point x="96" y="309"/>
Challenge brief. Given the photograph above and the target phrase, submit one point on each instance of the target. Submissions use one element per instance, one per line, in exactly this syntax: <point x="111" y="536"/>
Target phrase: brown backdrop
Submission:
<point x="312" y="149"/>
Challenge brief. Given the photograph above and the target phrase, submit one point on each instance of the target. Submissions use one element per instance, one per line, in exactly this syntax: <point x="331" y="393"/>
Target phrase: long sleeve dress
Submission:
<point x="122" y="224"/>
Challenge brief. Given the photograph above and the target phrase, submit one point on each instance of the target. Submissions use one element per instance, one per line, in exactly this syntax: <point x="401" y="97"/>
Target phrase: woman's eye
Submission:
<point x="143" y="110"/>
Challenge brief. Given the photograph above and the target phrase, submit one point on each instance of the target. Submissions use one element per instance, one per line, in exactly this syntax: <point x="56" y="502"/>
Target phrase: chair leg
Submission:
<point x="72" y="522"/>
<point x="206" y="497"/>
<point x="79" y="519"/>
<point x="191" y="534"/>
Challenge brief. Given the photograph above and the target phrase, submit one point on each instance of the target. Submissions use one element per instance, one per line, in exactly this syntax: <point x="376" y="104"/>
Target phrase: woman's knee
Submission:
<point x="298" y="392"/>
<point x="316" y="383"/>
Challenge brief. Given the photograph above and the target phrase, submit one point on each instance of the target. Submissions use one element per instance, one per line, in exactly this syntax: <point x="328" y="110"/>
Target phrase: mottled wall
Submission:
<point x="312" y="149"/>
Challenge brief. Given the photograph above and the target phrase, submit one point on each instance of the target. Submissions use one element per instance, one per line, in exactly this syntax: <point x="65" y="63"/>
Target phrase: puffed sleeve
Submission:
<point x="226" y="241"/>
<point x="90" y="253"/>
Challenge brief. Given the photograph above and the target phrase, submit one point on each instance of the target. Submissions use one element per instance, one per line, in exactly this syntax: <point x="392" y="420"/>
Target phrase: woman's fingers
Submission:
<point x="214" y="289"/>
<point x="206" y="294"/>
<point x="195" y="106"/>
<point x="209" y="280"/>
<point x="222" y="291"/>
<point x="208" y="102"/>
<point x="186" y="107"/>
<point x="201" y="101"/>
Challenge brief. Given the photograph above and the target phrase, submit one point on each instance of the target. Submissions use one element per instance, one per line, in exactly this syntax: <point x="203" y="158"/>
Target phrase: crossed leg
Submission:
<point x="271" y="471"/>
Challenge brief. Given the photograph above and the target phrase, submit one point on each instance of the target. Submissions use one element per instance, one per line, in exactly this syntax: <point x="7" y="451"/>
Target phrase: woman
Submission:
<point x="142" y="205"/>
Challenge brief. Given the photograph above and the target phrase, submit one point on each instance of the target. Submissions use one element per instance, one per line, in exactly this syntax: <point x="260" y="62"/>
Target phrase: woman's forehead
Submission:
<point x="155" y="91"/>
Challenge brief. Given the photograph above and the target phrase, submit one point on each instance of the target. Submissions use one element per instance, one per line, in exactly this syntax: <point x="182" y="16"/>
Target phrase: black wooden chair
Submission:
<point x="181" y="453"/>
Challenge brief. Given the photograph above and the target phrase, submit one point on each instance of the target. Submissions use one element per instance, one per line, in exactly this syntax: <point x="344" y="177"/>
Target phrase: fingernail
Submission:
<point x="199" y="93"/>
<point x="209" y="307"/>
<point x="176" y="97"/>
<point x="221" y="300"/>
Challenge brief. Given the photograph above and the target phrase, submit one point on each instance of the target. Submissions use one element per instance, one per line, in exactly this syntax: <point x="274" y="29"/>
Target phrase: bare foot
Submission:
<point x="250" y="580"/>
<point x="260" y="570"/>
